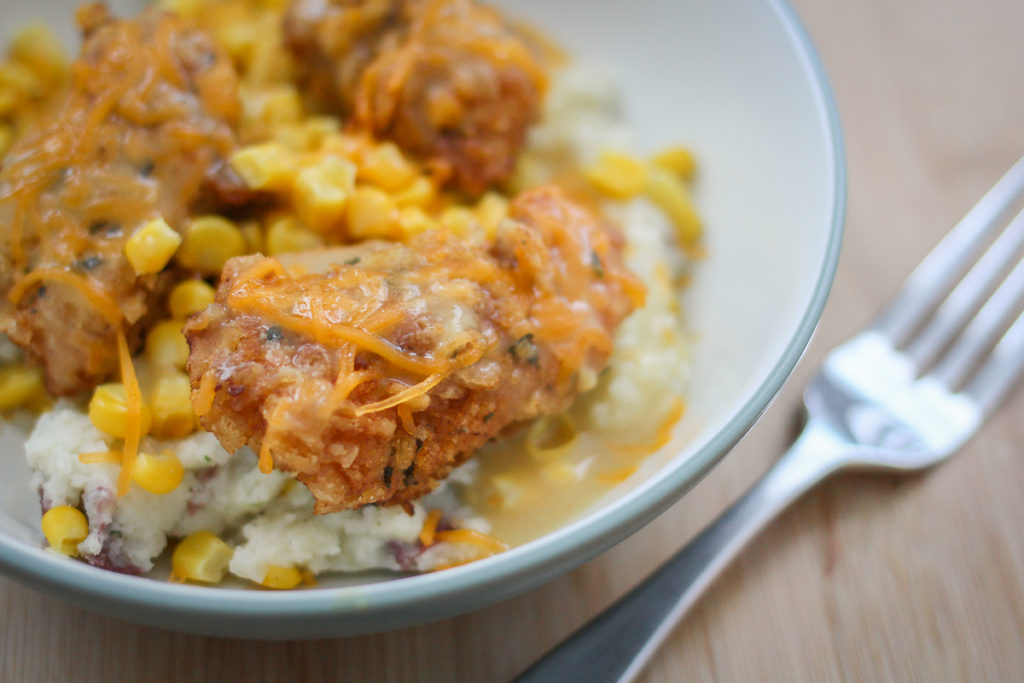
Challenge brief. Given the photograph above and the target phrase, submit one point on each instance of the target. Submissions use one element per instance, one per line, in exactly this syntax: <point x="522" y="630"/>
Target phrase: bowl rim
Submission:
<point x="507" y="574"/>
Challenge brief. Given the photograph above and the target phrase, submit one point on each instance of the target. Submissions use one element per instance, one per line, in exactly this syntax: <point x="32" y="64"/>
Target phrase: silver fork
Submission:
<point x="901" y="396"/>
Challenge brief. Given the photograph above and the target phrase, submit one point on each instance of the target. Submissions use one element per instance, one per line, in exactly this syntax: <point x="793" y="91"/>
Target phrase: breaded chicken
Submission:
<point x="143" y="133"/>
<point x="447" y="80"/>
<point x="369" y="372"/>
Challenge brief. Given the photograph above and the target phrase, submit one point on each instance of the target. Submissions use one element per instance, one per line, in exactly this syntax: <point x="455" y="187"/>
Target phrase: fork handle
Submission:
<point x="617" y="643"/>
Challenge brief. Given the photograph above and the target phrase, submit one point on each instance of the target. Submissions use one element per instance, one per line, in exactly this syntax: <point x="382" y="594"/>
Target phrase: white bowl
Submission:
<point x="738" y="82"/>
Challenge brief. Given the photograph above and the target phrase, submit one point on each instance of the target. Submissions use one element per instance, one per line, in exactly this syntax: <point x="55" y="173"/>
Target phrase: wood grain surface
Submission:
<point x="868" y="578"/>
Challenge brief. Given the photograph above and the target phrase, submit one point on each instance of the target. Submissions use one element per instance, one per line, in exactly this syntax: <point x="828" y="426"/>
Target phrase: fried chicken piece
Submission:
<point x="447" y="80"/>
<point x="143" y="133"/>
<point x="371" y="371"/>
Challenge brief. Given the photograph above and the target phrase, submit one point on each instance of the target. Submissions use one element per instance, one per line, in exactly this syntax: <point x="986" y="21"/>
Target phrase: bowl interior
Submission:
<point x="735" y="81"/>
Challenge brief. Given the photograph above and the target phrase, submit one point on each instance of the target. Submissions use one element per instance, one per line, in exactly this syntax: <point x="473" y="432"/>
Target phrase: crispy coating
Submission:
<point x="143" y="133"/>
<point x="369" y="372"/>
<point x="448" y="80"/>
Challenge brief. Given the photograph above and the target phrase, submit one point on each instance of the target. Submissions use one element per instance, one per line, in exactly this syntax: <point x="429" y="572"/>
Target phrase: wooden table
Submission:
<point x="868" y="578"/>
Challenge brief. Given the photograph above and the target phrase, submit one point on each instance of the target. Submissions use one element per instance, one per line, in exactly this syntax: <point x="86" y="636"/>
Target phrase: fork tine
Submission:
<point x="1001" y="371"/>
<point x="940" y="269"/>
<point x="986" y="326"/>
<point x="965" y="299"/>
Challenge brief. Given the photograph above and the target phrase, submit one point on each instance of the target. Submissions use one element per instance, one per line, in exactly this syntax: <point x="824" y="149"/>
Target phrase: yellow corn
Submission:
<point x="307" y="135"/>
<point x="170" y="402"/>
<point x="274" y="106"/>
<point x="670" y="194"/>
<point x="185" y="8"/>
<point x="268" y="62"/>
<point x="463" y="223"/>
<point x="20" y="79"/>
<point x="371" y="213"/>
<point x="201" y="556"/>
<point x="108" y="410"/>
<point x="209" y="242"/>
<point x="617" y="175"/>
<point x="166" y="346"/>
<point x="238" y="38"/>
<point x="413" y="220"/>
<point x="9" y="100"/>
<point x="19" y="386"/>
<point x="269" y="166"/>
<point x="386" y="167"/>
<point x="188" y="297"/>
<point x="253" y="234"/>
<point x="530" y="172"/>
<point x="491" y="210"/>
<point x="6" y="138"/>
<point x="284" y="234"/>
<point x="420" y="193"/>
<point x="281" y="578"/>
<point x="321" y="192"/>
<point x="152" y="246"/>
<point x="678" y="160"/>
<point x="158" y="473"/>
<point x="38" y="48"/>
<point x="65" y="527"/>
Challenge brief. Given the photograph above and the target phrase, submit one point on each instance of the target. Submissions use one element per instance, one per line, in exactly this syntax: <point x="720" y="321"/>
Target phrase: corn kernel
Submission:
<point x="266" y="108"/>
<point x="670" y="194"/>
<point x="491" y="210"/>
<point x="253" y="234"/>
<point x="420" y="193"/>
<point x="209" y="242"/>
<point x="158" y="473"/>
<point x="281" y="578"/>
<point x="201" y="556"/>
<point x="20" y="79"/>
<point x="184" y="8"/>
<point x="322" y="190"/>
<point x="170" y="402"/>
<point x="617" y="175"/>
<point x="6" y="138"/>
<point x="386" y="167"/>
<point x="188" y="297"/>
<point x="9" y="100"/>
<point x="463" y="223"/>
<point x="38" y="48"/>
<point x="678" y="160"/>
<point x="152" y="246"/>
<point x="268" y="62"/>
<point x="166" y="346"/>
<point x="269" y="166"/>
<point x="65" y="527"/>
<point x="19" y="386"/>
<point x="413" y="220"/>
<point x="371" y="213"/>
<point x="238" y="38"/>
<point x="284" y="234"/>
<point x="531" y="171"/>
<point x="108" y="410"/>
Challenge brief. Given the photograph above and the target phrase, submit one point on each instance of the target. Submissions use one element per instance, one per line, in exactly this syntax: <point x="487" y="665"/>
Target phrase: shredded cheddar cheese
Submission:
<point x="429" y="530"/>
<point x="100" y="456"/>
<point x="203" y="397"/>
<point x="472" y="537"/>
<point x="105" y="307"/>
<point x="133" y="415"/>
